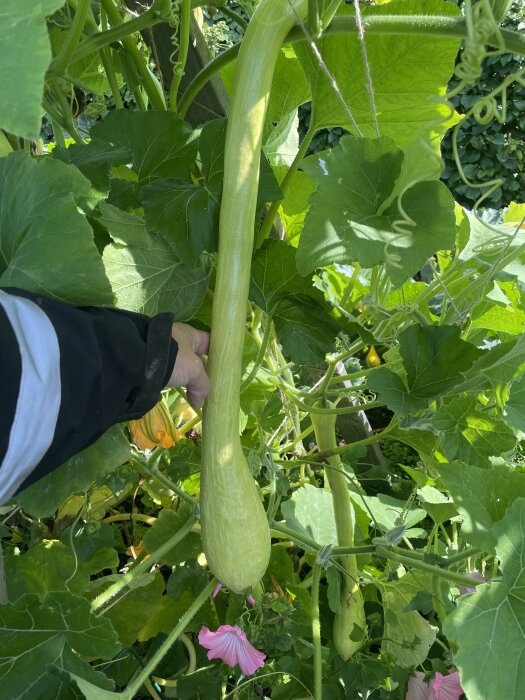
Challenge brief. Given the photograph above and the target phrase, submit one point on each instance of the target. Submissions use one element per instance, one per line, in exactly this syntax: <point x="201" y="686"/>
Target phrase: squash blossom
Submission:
<point x="154" y="429"/>
<point x="231" y="645"/>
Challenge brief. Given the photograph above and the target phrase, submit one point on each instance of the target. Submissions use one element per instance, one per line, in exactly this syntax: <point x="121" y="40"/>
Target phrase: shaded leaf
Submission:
<point x="169" y="521"/>
<point x="151" y="280"/>
<point x="160" y="143"/>
<point x="407" y="635"/>
<point x="34" y="634"/>
<point x="515" y="406"/>
<point x="434" y="359"/>
<point x="42" y="498"/>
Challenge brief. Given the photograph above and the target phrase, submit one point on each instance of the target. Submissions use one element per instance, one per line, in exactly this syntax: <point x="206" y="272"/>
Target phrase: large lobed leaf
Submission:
<point x="374" y="222"/>
<point x="489" y="625"/>
<point x="34" y="635"/>
<point x="407" y="72"/>
<point x="46" y="242"/>
<point x="434" y="361"/>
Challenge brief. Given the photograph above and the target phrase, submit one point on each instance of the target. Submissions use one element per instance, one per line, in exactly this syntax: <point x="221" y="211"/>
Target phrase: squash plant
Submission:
<point x="355" y="482"/>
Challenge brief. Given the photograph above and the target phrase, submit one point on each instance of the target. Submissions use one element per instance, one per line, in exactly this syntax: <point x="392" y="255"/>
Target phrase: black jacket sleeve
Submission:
<point x="67" y="374"/>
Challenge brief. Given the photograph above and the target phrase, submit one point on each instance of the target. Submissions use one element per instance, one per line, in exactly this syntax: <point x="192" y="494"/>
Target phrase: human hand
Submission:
<point x="189" y="370"/>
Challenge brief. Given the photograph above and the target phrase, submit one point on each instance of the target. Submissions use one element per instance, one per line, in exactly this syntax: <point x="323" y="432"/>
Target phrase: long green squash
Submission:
<point x="235" y="530"/>
<point x="352" y="606"/>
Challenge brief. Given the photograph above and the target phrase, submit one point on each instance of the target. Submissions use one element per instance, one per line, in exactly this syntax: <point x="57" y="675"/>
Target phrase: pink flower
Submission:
<point x="446" y="687"/>
<point x="231" y="646"/>
<point x="475" y="576"/>
<point x="251" y="601"/>
<point x="440" y="687"/>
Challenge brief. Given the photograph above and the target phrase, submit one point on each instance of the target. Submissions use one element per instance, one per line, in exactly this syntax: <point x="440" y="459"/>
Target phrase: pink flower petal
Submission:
<point x="446" y="687"/>
<point x="231" y="646"/>
<point x="476" y="576"/>
<point x="216" y="590"/>
<point x="417" y="688"/>
<point x="251" y="601"/>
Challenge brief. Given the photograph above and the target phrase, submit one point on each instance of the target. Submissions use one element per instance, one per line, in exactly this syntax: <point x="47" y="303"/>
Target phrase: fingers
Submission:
<point x="198" y="386"/>
<point x="189" y="369"/>
<point x="201" y="342"/>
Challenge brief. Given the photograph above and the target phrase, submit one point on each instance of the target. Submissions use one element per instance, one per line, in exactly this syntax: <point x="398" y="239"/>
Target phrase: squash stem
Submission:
<point x="316" y="633"/>
<point x="274" y="206"/>
<point x="144" y="566"/>
<point x="133" y="688"/>
<point x="451" y="576"/>
<point x="182" y="56"/>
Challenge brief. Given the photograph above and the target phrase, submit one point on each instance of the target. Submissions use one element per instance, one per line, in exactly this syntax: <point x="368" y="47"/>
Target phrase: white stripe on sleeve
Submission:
<point x="39" y="394"/>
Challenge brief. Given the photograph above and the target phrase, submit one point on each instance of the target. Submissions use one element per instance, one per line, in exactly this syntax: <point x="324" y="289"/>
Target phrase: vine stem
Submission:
<point x="72" y="37"/>
<point x="142" y="567"/>
<point x="184" y="621"/>
<point x="316" y="633"/>
<point x="452" y="576"/>
<point x="150" y="83"/>
<point x="271" y="214"/>
<point x="421" y="25"/>
<point x="260" y="356"/>
<point x="182" y="57"/>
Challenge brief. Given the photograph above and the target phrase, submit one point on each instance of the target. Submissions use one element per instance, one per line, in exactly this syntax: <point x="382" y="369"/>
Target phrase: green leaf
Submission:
<point x="25" y="53"/>
<point x="123" y="227"/>
<point x="289" y="86"/>
<point x="437" y="505"/>
<point x="407" y="72"/>
<point x="310" y="511"/>
<point x="470" y="435"/>
<point x="496" y="367"/>
<point x="434" y="358"/>
<point x="47" y="243"/>
<point x="168" y="523"/>
<point x="302" y="318"/>
<point x="186" y="215"/>
<point x="35" y="634"/>
<point x="504" y="317"/>
<point x="489" y="625"/>
<point x="151" y="280"/>
<point x="88" y="72"/>
<point x="305" y="330"/>
<point x="160" y="143"/>
<point x="274" y="277"/>
<point x="94" y="160"/>
<point x="44" y="568"/>
<point x="515" y="406"/>
<point x="387" y="512"/>
<point x="366" y="226"/>
<point x="482" y="497"/>
<point x="132" y="612"/>
<point x="42" y="498"/>
<point x="407" y="635"/>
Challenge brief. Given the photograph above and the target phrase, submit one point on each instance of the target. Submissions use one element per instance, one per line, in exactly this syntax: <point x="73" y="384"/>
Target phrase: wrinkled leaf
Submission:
<point x="151" y="280"/>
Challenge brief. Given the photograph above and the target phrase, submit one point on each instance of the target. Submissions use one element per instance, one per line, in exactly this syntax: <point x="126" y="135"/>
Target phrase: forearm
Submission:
<point x="68" y="374"/>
